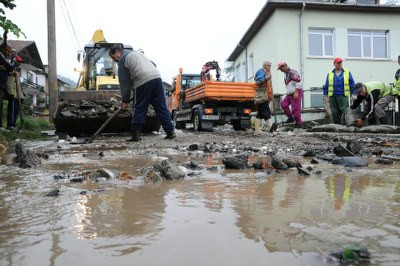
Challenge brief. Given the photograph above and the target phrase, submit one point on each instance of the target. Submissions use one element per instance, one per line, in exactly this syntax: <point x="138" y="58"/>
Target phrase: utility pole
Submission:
<point x="52" y="64"/>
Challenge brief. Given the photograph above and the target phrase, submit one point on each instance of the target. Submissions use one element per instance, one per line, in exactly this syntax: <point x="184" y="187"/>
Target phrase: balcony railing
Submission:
<point x="29" y="84"/>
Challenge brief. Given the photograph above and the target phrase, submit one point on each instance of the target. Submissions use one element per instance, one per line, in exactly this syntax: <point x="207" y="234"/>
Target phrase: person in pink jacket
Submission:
<point x="294" y="94"/>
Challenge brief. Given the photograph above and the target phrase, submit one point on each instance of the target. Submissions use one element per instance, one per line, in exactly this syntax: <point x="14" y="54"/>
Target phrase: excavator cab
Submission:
<point x="100" y="72"/>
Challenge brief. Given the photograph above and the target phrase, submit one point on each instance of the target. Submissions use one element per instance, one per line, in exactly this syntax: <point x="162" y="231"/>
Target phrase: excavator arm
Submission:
<point x="206" y="69"/>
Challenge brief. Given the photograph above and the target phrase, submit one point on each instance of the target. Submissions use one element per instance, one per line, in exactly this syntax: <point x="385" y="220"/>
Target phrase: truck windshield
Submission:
<point x="189" y="81"/>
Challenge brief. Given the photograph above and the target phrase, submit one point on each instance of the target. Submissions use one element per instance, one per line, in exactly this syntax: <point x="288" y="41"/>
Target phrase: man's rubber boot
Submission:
<point x="135" y="137"/>
<point x="171" y="135"/>
<point x="257" y="127"/>
<point x="383" y="120"/>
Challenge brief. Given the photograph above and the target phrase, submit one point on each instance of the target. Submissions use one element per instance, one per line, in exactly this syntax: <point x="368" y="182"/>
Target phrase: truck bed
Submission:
<point x="221" y="91"/>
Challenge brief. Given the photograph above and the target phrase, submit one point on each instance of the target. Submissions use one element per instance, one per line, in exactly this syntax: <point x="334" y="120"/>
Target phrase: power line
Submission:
<point x="74" y="15"/>
<point x="69" y="22"/>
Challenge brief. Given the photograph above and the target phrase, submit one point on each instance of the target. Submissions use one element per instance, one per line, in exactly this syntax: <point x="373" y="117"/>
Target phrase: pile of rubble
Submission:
<point x="91" y="109"/>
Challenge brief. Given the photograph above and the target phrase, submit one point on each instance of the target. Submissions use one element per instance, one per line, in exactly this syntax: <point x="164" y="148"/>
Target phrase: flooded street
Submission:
<point x="214" y="216"/>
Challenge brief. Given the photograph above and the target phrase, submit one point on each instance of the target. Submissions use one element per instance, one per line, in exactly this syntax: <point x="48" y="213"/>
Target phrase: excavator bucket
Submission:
<point x="81" y="113"/>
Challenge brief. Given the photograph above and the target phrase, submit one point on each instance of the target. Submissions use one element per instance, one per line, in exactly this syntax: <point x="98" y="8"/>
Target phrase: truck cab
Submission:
<point x="180" y="84"/>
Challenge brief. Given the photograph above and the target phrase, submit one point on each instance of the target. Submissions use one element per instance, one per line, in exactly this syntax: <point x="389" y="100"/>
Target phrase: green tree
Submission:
<point x="6" y="24"/>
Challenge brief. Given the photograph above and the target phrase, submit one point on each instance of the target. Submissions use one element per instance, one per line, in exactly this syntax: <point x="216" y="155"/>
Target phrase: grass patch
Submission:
<point x="31" y="129"/>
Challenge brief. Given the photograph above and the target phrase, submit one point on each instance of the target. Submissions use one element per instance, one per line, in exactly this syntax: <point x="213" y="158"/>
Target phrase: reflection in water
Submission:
<point x="225" y="218"/>
<point x="120" y="214"/>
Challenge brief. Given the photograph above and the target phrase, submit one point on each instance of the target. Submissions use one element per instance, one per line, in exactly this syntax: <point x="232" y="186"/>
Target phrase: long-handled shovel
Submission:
<point x="90" y="140"/>
<point x="19" y="92"/>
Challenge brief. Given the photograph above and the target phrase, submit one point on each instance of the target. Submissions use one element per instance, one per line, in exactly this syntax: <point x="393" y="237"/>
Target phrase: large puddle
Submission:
<point x="214" y="217"/>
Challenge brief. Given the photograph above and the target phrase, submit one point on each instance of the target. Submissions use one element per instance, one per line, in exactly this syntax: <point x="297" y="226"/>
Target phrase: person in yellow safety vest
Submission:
<point x="338" y="86"/>
<point x="397" y="78"/>
<point x="378" y="95"/>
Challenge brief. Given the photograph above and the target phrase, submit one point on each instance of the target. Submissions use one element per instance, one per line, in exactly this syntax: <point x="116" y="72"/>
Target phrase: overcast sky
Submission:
<point x="172" y="33"/>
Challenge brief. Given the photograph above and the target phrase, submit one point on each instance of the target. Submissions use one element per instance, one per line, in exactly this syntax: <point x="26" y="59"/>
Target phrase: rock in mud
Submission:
<point x="301" y="171"/>
<point x="353" y="146"/>
<point x="235" y="161"/>
<point x="291" y="164"/>
<point x="213" y="168"/>
<point x="170" y="171"/>
<point x="342" y="151"/>
<point x="380" y="129"/>
<point x="193" y="165"/>
<point x="104" y="173"/>
<point x="327" y="157"/>
<point x="258" y="165"/>
<point x="26" y="158"/>
<point x="76" y="180"/>
<point x="310" y="153"/>
<point x="153" y="177"/>
<point x="53" y="193"/>
<point x="384" y="161"/>
<point x="278" y="164"/>
<point x="332" y="128"/>
<point x="193" y="147"/>
<point x="350" y="161"/>
<point x="314" y="161"/>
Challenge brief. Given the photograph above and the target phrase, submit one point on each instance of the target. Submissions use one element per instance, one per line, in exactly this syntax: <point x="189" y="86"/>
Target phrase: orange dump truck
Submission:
<point x="210" y="103"/>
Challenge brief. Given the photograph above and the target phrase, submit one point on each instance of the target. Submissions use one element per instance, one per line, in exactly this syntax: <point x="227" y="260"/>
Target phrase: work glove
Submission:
<point x="353" y="97"/>
<point x="326" y="99"/>
<point x="360" y="122"/>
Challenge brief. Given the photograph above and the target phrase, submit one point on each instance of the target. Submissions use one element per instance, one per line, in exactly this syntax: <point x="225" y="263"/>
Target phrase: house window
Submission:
<point x="251" y="66"/>
<point x="29" y="76"/>
<point x="237" y="73"/>
<point x="320" y="42"/>
<point x="367" y="43"/>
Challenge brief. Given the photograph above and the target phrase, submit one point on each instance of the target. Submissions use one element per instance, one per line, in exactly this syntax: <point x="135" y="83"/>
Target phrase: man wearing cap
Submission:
<point x="294" y="93"/>
<point x="338" y="87"/>
<point x="378" y="95"/>
<point x="15" y="95"/>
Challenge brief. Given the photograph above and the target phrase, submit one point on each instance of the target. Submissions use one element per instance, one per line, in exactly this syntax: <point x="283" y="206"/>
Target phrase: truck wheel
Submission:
<point x="237" y="126"/>
<point x="178" y="124"/>
<point x="197" y="121"/>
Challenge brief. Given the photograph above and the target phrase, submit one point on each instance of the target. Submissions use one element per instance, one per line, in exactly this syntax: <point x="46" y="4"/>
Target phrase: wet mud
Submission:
<point x="208" y="198"/>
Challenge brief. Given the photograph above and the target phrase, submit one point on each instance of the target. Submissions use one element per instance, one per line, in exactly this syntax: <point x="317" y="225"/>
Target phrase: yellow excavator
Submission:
<point x="97" y="95"/>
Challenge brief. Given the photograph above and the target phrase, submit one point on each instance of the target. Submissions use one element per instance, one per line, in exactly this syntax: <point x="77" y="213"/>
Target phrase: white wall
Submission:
<point x="279" y="40"/>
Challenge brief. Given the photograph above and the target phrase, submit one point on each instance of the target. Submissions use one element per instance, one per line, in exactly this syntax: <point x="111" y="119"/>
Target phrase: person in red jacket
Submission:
<point x="294" y="94"/>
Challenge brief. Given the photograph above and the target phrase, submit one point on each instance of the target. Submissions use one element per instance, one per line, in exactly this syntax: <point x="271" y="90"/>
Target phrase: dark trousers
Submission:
<point x="151" y="92"/>
<point x="12" y="111"/>
<point x="339" y="104"/>
<point x="263" y="112"/>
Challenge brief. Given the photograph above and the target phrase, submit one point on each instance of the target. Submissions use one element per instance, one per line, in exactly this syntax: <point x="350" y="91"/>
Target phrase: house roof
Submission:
<point x="28" y="51"/>
<point x="271" y="5"/>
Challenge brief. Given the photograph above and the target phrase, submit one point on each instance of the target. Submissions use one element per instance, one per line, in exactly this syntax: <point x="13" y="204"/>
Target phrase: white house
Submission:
<point x="33" y="72"/>
<point x="309" y="35"/>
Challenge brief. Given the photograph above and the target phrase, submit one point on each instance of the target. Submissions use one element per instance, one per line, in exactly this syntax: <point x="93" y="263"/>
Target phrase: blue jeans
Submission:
<point x="152" y="92"/>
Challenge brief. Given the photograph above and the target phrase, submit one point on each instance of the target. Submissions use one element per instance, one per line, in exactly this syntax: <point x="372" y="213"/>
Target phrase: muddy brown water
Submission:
<point x="222" y="217"/>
